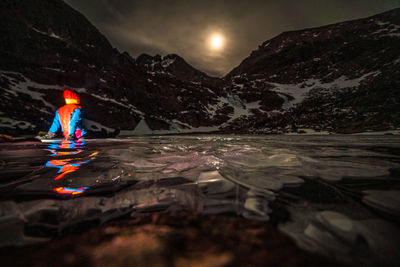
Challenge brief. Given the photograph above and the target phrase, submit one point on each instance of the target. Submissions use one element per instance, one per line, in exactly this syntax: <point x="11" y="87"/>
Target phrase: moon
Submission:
<point x="216" y="42"/>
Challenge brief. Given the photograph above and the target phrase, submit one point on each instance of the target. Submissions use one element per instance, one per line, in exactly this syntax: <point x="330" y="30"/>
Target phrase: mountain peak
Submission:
<point x="171" y="64"/>
<point x="300" y="49"/>
<point x="173" y="56"/>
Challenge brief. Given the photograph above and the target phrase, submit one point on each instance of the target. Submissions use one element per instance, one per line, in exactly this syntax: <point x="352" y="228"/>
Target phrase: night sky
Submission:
<point x="214" y="35"/>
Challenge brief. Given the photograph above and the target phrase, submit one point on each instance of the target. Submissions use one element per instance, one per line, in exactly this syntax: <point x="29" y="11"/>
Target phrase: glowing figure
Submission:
<point x="68" y="118"/>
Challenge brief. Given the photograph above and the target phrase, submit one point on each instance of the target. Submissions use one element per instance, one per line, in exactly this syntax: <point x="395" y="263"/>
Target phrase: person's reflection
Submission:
<point x="66" y="161"/>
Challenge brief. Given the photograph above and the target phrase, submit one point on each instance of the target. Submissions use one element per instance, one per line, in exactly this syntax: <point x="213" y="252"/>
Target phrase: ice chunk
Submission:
<point x="386" y="201"/>
<point x="12" y="223"/>
<point x="142" y="163"/>
<point x="210" y="177"/>
<point x="211" y="182"/>
<point x="256" y="206"/>
<point x="337" y="220"/>
<point x="250" y="179"/>
<point x="260" y="160"/>
<point x="288" y="180"/>
<point x="182" y="166"/>
<point x="245" y="175"/>
<point x="335" y="170"/>
<point x="335" y="233"/>
<point x="338" y="224"/>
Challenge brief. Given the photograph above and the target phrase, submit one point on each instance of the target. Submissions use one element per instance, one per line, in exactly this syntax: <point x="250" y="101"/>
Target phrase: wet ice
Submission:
<point x="334" y="188"/>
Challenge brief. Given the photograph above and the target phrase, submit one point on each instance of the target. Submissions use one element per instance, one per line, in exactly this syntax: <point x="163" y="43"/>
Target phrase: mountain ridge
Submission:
<point x="271" y="92"/>
<point x="314" y="63"/>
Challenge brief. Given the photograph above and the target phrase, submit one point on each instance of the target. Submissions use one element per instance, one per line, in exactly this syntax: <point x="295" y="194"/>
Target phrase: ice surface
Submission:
<point x="387" y="201"/>
<point x="340" y="193"/>
<point x="355" y="238"/>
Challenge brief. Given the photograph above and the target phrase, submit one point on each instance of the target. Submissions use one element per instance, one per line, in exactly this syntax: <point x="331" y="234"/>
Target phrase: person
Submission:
<point x="68" y="118"/>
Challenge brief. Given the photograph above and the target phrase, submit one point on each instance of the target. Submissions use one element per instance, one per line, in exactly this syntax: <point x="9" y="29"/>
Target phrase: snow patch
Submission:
<point x="51" y="34"/>
<point x="176" y="127"/>
<point x="300" y="91"/>
<point x="388" y="30"/>
<point x="240" y="107"/>
<point x="13" y="124"/>
<point x="142" y="128"/>
<point x="26" y="86"/>
<point x="95" y="126"/>
<point x="128" y="106"/>
<point x="286" y="104"/>
<point x="309" y="132"/>
<point x="54" y="69"/>
<point x="166" y="63"/>
<point x="22" y="87"/>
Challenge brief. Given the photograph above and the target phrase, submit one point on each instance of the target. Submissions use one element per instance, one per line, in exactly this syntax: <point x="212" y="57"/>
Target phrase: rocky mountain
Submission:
<point x="175" y="66"/>
<point x="337" y="78"/>
<point x="46" y="46"/>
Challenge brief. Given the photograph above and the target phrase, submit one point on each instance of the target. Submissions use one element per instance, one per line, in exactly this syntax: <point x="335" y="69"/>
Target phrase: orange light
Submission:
<point x="65" y="170"/>
<point x="94" y="154"/>
<point x="57" y="162"/>
<point x="71" y="101"/>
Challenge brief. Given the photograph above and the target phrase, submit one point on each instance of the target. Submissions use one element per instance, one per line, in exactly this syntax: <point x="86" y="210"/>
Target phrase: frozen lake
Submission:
<point x="336" y="194"/>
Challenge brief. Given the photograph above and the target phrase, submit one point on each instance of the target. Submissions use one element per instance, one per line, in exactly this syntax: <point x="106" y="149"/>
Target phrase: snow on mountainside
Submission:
<point x="337" y="78"/>
<point x="53" y="47"/>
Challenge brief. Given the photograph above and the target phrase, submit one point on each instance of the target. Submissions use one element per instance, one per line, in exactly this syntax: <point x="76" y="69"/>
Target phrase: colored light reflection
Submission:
<point x="116" y="179"/>
<point x="64" y="166"/>
<point x="70" y="191"/>
<point x="66" y="161"/>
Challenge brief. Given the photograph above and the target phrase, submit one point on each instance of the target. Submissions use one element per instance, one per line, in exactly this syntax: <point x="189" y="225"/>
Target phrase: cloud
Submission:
<point x="183" y="27"/>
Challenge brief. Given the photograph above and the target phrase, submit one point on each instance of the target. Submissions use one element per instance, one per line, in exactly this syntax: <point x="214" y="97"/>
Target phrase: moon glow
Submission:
<point x="216" y="42"/>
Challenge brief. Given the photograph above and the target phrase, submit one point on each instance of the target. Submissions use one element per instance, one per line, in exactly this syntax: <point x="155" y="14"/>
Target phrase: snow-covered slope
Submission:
<point x="336" y="78"/>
